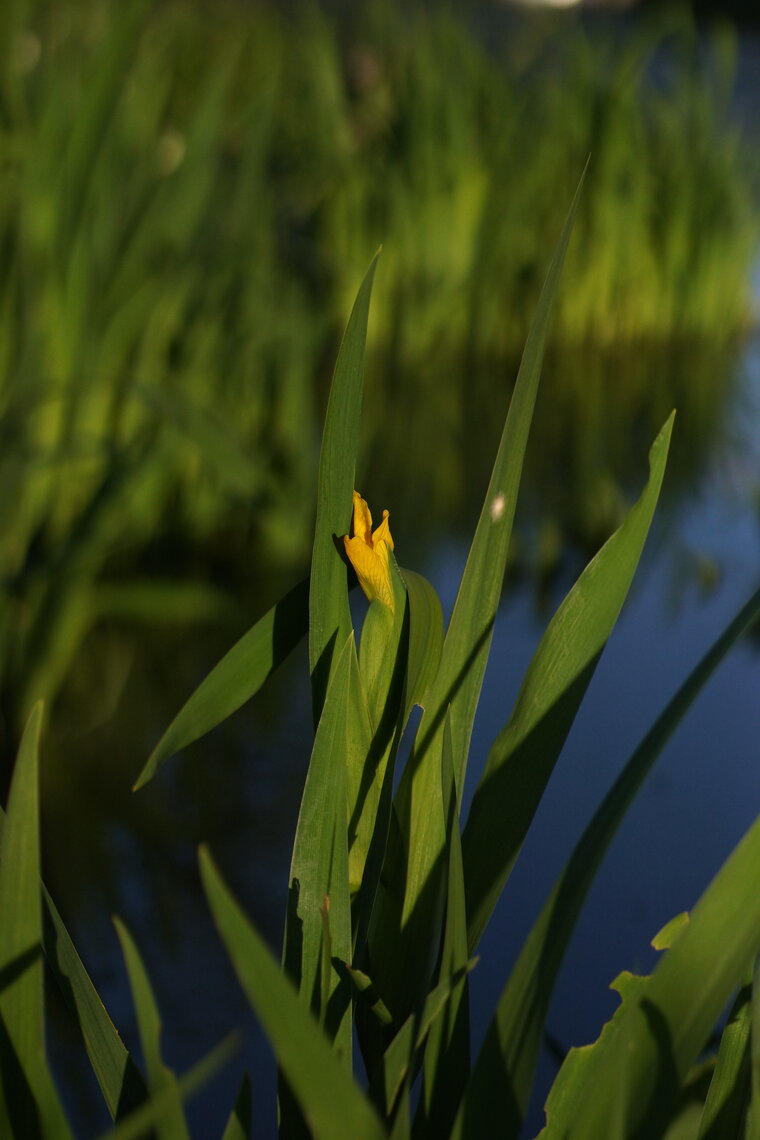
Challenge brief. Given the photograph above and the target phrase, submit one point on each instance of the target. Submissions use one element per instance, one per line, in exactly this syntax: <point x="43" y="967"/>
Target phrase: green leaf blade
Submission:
<point x="329" y="615"/>
<point x="331" y="1102"/>
<point x="171" y="1124"/>
<point x="319" y="865"/>
<point x="29" y="1104"/>
<point x="236" y="678"/>
<point x="524" y="753"/>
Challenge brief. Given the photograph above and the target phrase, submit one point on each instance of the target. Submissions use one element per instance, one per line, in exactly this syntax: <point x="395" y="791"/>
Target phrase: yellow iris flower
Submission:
<point x="369" y="553"/>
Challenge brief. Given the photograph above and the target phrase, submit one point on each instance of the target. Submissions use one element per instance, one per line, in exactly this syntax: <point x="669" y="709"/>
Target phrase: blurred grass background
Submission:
<point x="188" y="198"/>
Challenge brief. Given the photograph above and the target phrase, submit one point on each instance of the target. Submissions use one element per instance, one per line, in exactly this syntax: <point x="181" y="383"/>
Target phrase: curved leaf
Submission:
<point x="236" y="678"/>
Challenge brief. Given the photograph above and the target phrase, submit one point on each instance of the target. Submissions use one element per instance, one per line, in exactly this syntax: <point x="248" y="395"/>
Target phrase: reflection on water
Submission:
<point x="109" y="851"/>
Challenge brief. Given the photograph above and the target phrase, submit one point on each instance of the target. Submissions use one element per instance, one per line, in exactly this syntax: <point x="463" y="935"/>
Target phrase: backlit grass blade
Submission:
<point x="727" y="1097"/>
<point x="661" y="1030"/>
<point x="523" y="755"/>
<point x="457" y="683"/>
<point x="236" y="678"/>
<point x="508" y="1056"/>
<point x="332" y="1104"/>
<point x="140" y="1123"/>
<point x="170" y="1121"/>
<point x="119" y="1078"/>
<point x="319" y="865"/>
<point x="29" y="1104"/>
<point x="329" y="616"/>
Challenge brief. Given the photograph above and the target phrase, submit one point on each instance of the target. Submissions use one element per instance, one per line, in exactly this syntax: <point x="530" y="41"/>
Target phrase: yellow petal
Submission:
<point x="383" y="532"/>
<point x="372" y="569"/>
<point x="362" y="519"/>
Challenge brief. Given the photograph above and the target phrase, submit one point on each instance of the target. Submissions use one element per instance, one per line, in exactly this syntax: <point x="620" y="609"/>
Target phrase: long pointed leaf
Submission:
<point x="332" y="1104"/>
<point x="170" y="1122"/>
<point x="29" y="1104"/>
<point x="329" y="616"/>
<point x="137" y="1125"/>
<point x="119" y="1078"/>
<point x="240" y="674"/>
<point x="319" y="865"/>
<point x="523" y="755"/>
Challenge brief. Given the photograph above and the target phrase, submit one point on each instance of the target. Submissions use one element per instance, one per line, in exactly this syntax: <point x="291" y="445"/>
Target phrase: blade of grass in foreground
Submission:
<point x="658" y="1035"/>
<point x="29" y="1104"/>
<point x="506" y="1063"/>
<point x="332" y="1104"/>
<point x="118" y="1076"/>
<point x="523" y="756"/>
<point x="403" y="941"/>
<point x="170" y="1123"/>
<point x="236" y="678"/>
<point x="138" y="1125"/>
<point x="329" y="615"/>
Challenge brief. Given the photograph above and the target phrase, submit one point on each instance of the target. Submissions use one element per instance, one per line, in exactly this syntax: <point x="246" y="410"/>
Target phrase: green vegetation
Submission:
<point x="186" y="204"/>
<point x="186" y="201"/>
<point x="388" y="894"/>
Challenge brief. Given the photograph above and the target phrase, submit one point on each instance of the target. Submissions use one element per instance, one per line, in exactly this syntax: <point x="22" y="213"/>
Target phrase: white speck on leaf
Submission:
<point x="497" y="507"/>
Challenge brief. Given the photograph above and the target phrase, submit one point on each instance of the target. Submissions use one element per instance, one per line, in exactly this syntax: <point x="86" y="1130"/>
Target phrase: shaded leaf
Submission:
<point x="332" y="1104"/>
<point x="29" y="1105"/>
<point x="170" y="1119"/>
<point x="236" y="678"/>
